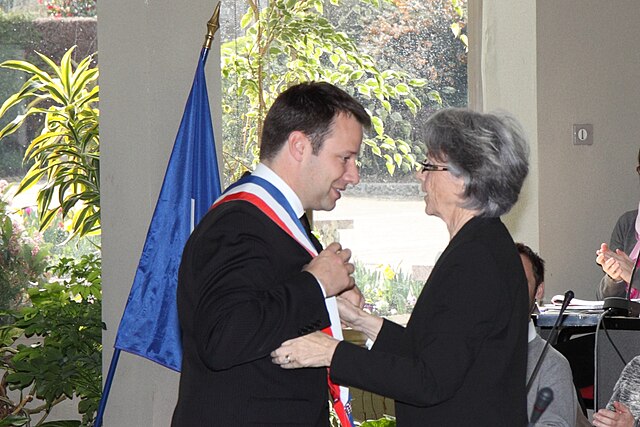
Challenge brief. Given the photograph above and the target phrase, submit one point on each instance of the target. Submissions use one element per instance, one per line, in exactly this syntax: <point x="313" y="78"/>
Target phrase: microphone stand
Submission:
<point x="568" y="296"/>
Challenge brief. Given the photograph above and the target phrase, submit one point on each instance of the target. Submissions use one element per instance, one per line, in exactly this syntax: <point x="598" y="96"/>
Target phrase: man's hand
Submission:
<point x="354" y="296"/>
<point x="332" y="269"/>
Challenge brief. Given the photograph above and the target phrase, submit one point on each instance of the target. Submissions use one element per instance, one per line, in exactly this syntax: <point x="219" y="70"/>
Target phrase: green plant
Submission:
<point x="63" y="359"/>
<point x="386" y="421"/>
<point x="58" y="239"/>
<point x="386" y="291"/>
<point x="289" y="41"/>
<point x="23" y="257"/>
<point x="67" y="152"/>
<point x="416" y="37"/>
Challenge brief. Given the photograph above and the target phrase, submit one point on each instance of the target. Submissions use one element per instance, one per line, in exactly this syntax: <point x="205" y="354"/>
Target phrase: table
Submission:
<point x="616" y="334"/>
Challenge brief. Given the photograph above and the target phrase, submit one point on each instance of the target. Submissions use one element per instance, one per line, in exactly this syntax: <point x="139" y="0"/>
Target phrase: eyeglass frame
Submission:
<point x="430" y="167"/>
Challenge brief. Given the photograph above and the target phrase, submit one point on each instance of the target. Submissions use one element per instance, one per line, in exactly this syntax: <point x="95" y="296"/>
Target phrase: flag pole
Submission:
<point x="212" y="27"/>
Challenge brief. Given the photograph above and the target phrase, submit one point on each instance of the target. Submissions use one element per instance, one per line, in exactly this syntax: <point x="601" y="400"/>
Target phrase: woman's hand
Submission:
<point x="621" y="417"/>
<point x="358" y="319"/>
<point x="616" y="265"/>
<point x="349" y="312"/>
<point x="354" y="296"/>
<point x="309" y="351"/>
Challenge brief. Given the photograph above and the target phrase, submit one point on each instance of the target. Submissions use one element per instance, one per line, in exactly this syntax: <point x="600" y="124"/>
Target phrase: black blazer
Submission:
<point x="462" y="358"/>
<point x="241" y="293"/>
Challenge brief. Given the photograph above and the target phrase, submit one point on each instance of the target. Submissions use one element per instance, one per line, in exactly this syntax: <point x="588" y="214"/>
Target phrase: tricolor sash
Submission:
<point x="266" y="197"/>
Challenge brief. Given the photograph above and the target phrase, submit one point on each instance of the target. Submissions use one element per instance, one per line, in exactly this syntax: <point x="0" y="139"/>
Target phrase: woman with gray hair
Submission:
<point x="461" y="359"/>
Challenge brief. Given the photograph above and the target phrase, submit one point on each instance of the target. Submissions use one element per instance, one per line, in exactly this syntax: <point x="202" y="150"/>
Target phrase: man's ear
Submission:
<point x="539" y="292"/>
<point x="297" y="144"/>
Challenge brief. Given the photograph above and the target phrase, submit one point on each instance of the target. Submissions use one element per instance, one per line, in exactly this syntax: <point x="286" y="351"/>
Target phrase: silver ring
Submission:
<point x="287" y="359"/>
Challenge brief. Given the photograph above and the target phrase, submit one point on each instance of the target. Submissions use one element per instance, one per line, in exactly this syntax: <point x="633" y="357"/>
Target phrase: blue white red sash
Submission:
<point x="266" y="197"/>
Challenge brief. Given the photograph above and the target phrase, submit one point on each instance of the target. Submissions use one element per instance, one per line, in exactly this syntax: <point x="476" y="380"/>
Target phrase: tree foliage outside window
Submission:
<point x="346" y="42"/>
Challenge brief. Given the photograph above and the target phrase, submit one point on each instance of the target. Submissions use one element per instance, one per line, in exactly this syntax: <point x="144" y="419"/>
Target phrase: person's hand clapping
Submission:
<point x="621" y="417"/>
<point x="332" y="269"/>
<point x="616" y="265"/>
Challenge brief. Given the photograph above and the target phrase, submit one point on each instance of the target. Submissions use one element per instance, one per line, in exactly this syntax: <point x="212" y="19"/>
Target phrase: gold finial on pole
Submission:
<point x="212" y="27"/>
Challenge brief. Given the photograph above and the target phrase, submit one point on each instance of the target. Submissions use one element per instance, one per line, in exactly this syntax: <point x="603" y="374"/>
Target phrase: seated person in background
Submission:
<point x="555" y="371"/>
<point x="623" y="409"/>
<point x="613" y="257"/>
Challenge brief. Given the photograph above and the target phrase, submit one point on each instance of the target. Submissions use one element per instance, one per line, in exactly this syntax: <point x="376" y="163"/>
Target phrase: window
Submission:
<point x="403" y="59"/>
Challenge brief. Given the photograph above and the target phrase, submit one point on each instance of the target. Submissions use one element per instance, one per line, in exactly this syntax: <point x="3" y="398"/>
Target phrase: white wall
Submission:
<point x="148" y="54"/>
<point x="588" y="72"/>
<point x="509" y="83"/>
<point x="555" y="63"/>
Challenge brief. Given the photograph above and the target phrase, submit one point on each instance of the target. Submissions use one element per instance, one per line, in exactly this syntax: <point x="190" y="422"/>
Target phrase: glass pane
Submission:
<point x="403" y="60"/>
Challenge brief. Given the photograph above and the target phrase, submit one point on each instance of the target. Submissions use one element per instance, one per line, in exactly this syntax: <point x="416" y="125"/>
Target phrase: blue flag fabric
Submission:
<point x="149" y="325"/>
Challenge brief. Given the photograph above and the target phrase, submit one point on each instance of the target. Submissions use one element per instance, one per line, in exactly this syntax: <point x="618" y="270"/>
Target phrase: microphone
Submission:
<point x="568" y="296"/>
<point x="543" y="399"/>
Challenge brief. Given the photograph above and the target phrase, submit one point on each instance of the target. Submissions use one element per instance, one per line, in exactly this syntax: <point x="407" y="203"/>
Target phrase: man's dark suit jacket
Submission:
<point x="461" y="360"/>
<point x="241" y="293"/>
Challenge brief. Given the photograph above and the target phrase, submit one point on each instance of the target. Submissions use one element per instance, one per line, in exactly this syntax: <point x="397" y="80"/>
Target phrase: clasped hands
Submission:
<point x="616" y="265"/>
<point x="334" y="271"/>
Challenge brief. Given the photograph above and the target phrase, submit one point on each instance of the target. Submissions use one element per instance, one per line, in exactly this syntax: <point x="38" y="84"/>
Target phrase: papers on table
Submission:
<point x="575" y="304"/>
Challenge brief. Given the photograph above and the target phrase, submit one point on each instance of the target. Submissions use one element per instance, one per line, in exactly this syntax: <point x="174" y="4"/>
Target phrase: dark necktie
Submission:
<point x="305" y="224"/>
<point x="307" y="228"/>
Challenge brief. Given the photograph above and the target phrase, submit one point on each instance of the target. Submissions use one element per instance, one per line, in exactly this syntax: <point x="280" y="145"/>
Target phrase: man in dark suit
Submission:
<point x="249" y="277"/>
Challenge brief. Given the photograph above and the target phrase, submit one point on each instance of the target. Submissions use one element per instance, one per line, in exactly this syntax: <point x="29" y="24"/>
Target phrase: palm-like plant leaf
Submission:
<point x="66" y="154"/>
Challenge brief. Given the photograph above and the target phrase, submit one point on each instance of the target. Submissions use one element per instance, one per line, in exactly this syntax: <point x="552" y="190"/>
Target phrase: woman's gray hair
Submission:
<point x="488" y="151"/>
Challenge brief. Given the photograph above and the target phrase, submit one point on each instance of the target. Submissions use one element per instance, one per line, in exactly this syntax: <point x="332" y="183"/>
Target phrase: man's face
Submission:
<point x="534" y="291"/>
<point x="329" y="172"/>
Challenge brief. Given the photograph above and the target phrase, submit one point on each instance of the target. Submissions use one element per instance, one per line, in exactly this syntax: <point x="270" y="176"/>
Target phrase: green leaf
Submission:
<point x="14" y="420"/>
<point x="412" y="106"/>
<point x="66" y="423"/>
<point x="26" y="67"/>
<point x="455" y="29"/>
<point x="378" y="126"/>
<point x="402" y="88"/>
<point x="391" y="168"/>
<point x="465" y="40"/>
<point x="247" y="18"/>
<point x="21" y="379"/>
<point x="356" y="75"/>
<point x="418" y="82"/>
<point x="435" y="96"/>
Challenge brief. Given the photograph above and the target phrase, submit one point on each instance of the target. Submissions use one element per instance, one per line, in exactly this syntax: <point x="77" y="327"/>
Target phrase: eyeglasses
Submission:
<point x="430" y="167"/>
